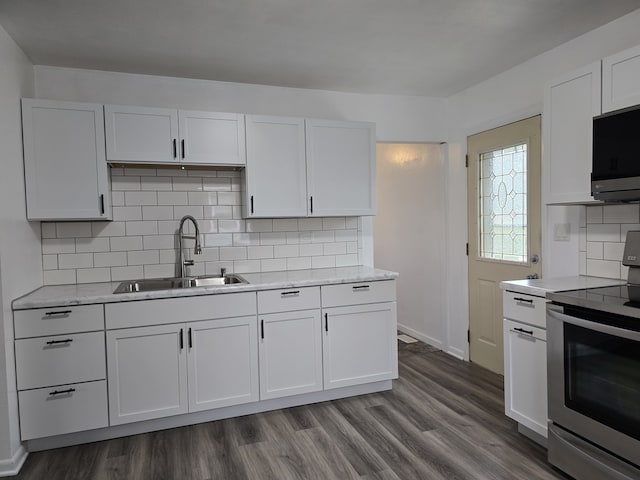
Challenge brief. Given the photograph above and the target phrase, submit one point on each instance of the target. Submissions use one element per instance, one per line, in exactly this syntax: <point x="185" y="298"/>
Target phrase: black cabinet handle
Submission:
<point x="181" y="339"/>
<point x="522" y="330"/>
<point x="526" y="300"/>
<point x="262" y="329"/>
<point x="175" y="149"/>
<point x="102" y="204"/>
<point x="62" y="392"/>
<point x="56" y="342"/>
<point x="251" y="203"/>
<point x="361" y="287"/>
<point x="311" y="199"/>
<point x="294" y="292"/>
<point x="326" y="322"/>
<point x="182" y="149"/>
<point x="59" y="312"/>
<point x="190" y="339"/>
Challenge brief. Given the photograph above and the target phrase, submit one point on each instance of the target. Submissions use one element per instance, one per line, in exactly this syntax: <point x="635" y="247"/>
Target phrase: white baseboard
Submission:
<point x="12" y="466"/>
<point x="420" y="336"/>
<point x="456" y="352"/>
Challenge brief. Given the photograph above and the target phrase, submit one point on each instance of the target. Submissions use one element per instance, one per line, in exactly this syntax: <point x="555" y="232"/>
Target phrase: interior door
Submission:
<point x="504" y="227"/>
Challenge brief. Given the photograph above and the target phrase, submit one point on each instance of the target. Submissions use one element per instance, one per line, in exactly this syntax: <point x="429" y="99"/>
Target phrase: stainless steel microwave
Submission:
<point x="615" y="173"/>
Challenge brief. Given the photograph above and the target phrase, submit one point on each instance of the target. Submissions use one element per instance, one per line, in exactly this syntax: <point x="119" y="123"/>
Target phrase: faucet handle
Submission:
<point x="223" y="272"/>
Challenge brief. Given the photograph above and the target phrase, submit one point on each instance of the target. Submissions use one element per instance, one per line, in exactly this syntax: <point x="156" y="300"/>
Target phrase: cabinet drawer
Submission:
<point x="287" y="300"/>
<point x="58" y="320"/>
<point x="525" y="308"/>
<point x="49" y="411"/>
<point x="358" y="293"/>
<point x="525" y="330"/>
<point x="45" y="361"/>
<point x="184" y="309"/>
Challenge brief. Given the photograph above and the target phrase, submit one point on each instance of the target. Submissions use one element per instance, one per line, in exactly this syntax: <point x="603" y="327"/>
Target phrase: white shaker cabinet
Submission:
<point x="147" y="373"/>
<point x="66" y="174"/>
<point x="359" y="333"/>
<point x="165" y="135"/>
<point x="276" y="170"/>
<point x="341" y="168"/>
<point x="222" y="362"/>
<point x="621" y="80"/>
<point x="525" y="360"/>
<point x="570" y="103"/>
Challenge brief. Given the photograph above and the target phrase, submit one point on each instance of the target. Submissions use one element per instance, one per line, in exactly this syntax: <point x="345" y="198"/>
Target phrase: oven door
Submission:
<point x="594" y="379"/>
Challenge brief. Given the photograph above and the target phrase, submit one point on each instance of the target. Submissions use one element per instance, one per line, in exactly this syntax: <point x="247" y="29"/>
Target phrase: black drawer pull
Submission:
<point x="361" y="287"/>
<point x="60" y="312"/>
<point x="56" y="342"/>
<point x="62" y="392"/>
<point x="294" y="292"/>
<point x="326" y="322"/>
<point x="526" y="300"/>
<point x="262" y="329"/>
<point x="522" y="330"/>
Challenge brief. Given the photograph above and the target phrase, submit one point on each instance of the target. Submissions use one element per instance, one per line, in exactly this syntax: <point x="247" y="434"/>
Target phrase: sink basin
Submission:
<point x="171" y="283"/>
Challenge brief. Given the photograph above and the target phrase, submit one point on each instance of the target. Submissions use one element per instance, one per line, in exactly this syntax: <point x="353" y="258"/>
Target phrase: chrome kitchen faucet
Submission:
<point x="197" y="250"/>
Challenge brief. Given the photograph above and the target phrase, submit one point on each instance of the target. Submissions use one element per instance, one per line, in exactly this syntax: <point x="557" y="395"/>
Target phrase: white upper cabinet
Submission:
<point x="570" y="103"/>
<point x="210" y="137"/>
<point x="621" y="80"/>
<point x="165" y="135"/>
<point x="276" y="170"/>
<point x="341" y="168"/>
<point x="141" y="135"/>
<point x="66" y="175"/>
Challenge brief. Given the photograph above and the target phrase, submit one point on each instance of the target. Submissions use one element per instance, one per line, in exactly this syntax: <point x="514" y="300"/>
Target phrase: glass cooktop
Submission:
<point x="620" y="299"/>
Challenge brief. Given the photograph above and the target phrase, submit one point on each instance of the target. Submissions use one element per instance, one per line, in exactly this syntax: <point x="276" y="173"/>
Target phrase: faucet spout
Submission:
<point x="197" y="249"/>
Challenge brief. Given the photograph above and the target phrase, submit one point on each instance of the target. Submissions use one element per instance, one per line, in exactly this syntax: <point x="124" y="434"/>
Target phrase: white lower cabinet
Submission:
<point x="525" y="375"/>
<point x="290" y="353"/>
<point x="223" y="363"/>
<point x="147" y="372"/>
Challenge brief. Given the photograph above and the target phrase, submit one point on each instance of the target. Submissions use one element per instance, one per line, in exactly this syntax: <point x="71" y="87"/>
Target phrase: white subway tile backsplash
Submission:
<point x="582" y="216"/>
<point x="629" y="213"/>
<point x="595" y="214"/>
<point x="148" y="204"/>
<point x="595" y="250"/>
<point x="613" y="251"/>
<point x="123" y="244"/>
<point x="75" y="260"/>
<point x="97" y="244"/>
<point x="73" y="229"/>
<point x="624" y="272"/>
<point x="93" y="275"/>
<point x="603" y="232"/>
<point x="603" y="268"/>
<point x="582" y="263"/>
<point x="582" y="239"/>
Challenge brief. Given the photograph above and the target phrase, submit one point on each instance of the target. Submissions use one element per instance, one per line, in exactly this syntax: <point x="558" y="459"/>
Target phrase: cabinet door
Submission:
<point x="525" y="375"/>
<point x="276" y="171"/>
<point x="66" y="175"/>
<point x="359" y="344"/>
<point x="341" y="168"/>
<point x="290" y="353"/>
<point x="621" y="80"/>
<point x="223" y="363"/>
<point x="141" y="134"/>
<point x="147" y="373"/>
<point x="211" y="138"/>
<point x="570" y="103"/>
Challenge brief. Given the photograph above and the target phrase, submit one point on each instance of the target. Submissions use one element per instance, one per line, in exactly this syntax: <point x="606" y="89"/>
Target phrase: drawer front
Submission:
<point x="288" y="300"/>
<point x="358" y="293"/>
<point x="46" y="361"/>
<point x="184" y="309"/>
<point x="58" y="320"/>
<point x="524" y="330"/>
<point x="50" y="411"/>
<point x="525" y="308"/>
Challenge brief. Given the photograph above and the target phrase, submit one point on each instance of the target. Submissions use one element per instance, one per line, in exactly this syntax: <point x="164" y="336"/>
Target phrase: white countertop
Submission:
<point x="87" y="293"/>
<point x="541" y="286"/>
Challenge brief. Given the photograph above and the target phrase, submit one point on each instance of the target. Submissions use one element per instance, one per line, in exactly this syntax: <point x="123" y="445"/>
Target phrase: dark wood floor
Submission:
<point x="443" y="420"/>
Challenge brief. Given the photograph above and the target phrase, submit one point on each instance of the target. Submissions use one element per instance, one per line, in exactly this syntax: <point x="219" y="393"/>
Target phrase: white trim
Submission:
<point x="13" y="465"/>
<point x="456" y="352"/>
<point x="421" y="336"/>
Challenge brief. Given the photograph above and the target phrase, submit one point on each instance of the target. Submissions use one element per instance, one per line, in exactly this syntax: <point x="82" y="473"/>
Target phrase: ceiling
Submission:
<point x="414" y="47"/>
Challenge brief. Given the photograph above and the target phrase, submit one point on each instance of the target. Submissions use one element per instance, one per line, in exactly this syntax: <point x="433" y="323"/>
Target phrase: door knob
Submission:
<point x="535" y="259"/>
<point x="533" y="276"/>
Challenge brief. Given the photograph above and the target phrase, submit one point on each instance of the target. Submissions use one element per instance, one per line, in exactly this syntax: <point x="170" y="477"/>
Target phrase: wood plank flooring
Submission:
<point x="443" y="420"/>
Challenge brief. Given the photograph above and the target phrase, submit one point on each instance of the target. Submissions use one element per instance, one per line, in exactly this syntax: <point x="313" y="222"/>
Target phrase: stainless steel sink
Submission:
<point x="173" y="283"/>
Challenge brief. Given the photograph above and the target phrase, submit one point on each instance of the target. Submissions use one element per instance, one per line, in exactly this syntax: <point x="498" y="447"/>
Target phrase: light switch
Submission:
<point x="561" y="232"/>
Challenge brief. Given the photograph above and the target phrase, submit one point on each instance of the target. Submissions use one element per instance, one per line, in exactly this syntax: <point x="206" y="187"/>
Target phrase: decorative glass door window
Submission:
<point x="502" y="226"/>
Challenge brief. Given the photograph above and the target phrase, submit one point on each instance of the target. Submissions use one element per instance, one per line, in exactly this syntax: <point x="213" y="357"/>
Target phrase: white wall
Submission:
<point x="511" y="96"/>
<point x="21" y="270"/>
<point x="409" y="234"/>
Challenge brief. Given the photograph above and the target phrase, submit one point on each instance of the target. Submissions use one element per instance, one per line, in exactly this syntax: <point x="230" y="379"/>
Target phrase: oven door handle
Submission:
<point x="552" y="312"/>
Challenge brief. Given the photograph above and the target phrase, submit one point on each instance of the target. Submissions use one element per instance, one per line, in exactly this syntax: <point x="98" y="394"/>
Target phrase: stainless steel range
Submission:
<point x="593" y="355"/>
